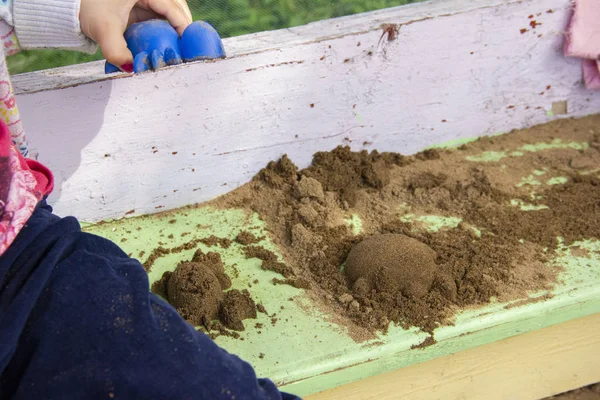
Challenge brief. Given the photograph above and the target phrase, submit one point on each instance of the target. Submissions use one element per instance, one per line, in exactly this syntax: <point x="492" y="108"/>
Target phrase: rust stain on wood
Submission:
<point x="391" y="30"/>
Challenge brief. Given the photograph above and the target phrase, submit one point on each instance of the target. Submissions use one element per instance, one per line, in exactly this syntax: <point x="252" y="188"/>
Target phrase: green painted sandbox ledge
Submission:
<point x="304" y="351"/>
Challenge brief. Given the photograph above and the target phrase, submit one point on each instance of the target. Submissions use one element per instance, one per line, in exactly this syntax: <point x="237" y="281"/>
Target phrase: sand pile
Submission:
<point x="396" y="269"/>
<point x="391" y="263"/>
<point x="197" y="289"/>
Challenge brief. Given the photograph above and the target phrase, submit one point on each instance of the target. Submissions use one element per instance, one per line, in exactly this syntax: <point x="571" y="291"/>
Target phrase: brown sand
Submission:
<point x="587" y="393"/>
<point x="236" y="307"/>
<point x="498" y="250"/>
<point x="162" y="251"/>
<point x="213" y="262"/>
<point x="391" y="263"/>
<point x="197" y="290"/>
<point x="269" y="260"/>
<point x="246" y="238"/>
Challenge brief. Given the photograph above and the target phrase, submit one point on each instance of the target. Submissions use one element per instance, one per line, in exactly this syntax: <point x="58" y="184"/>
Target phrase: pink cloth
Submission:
<point x="583" y="39"/>
<point x="591" y="74"/>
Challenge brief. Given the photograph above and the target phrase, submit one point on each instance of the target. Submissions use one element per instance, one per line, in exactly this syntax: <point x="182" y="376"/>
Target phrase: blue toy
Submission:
<point x="156" y="44"/>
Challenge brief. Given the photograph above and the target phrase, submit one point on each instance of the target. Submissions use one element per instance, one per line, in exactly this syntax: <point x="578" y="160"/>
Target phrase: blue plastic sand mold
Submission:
<point x="156" y="44"/>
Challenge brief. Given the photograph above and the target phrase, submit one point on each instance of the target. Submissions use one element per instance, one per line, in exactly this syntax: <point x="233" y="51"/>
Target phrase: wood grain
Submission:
<point x="188" y="134"/>
<point x="527" y="367"/>
<point x="239" y="46"/>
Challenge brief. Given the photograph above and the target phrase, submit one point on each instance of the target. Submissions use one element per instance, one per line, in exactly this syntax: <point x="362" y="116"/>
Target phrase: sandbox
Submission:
<point x="512" y="217"/>
<point x="318" y="335"/>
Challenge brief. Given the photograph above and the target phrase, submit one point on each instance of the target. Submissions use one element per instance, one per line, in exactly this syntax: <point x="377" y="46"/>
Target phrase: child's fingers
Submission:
<point x="112" y="43"/>
<point x="186" y="8"/>
<point x="139" y="14"/>
<point x="172" y="10"/>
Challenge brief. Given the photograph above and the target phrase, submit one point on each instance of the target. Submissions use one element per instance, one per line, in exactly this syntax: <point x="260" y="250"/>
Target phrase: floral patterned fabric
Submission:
<point x="8" y="104"/>
<point x="23" y="183"/>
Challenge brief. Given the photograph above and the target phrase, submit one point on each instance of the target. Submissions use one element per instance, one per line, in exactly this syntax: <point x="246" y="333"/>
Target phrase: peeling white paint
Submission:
<point x="157" y="141"/>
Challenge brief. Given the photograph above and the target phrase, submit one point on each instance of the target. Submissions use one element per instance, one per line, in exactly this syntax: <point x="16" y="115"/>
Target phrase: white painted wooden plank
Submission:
<point x="242" y="45"/>
<point x="190" y="133"/>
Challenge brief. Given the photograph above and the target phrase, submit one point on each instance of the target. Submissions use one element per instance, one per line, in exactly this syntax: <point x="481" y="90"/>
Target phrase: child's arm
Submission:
<point x="79" y="24"/>
<point x="105" y="21"/>
<point x="73" y="25"/>
<point x="38" y="24"/>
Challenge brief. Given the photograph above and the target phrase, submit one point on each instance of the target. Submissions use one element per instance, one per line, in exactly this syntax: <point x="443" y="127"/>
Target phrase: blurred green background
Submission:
<point x="229" y="17"/>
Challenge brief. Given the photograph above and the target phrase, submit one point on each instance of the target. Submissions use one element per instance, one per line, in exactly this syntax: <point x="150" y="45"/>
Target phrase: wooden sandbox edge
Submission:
<point x="531" y="366"/>
<point x="197" y="131"/>
<point x="547" y="352"/>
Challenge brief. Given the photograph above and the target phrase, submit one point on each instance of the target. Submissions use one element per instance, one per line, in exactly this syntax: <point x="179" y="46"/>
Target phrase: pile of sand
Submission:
<point x="396" y="270"/>
<point x="197" y="289"/>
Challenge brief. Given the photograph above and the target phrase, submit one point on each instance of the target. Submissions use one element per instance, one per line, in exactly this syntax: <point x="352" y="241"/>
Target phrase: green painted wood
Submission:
<point x="304" y="351"/>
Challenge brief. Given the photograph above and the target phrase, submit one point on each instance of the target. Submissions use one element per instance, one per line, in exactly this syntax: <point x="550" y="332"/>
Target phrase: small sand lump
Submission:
<point x="237" y="306"/>
<point x="213" y="262"/>
<point x="392" y="262"/>
<point x="309" y="187"/>
<point x="196" y="289"/>
<point x="195" y="292"/>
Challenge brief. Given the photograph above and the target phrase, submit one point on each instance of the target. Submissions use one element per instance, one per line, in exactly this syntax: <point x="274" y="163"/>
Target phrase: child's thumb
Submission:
<point x="113" y="45"/>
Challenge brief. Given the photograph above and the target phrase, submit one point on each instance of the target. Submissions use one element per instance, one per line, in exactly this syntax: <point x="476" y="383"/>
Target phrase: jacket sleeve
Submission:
<point x="38" y="24"/>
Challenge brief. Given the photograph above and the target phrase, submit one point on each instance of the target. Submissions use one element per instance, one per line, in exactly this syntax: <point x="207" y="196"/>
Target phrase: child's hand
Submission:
<point x="105" y="22"/>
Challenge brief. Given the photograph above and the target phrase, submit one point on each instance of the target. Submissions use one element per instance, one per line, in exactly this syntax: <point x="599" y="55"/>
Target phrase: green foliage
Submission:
<point x="229" y="17"/>
<point x="34" y="60"/>
<point x="238" y="17"/>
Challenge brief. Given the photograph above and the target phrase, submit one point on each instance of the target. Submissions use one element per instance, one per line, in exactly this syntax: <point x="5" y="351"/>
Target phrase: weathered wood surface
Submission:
<point x="457" y="69"/>
<point x="527" y="367"/>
